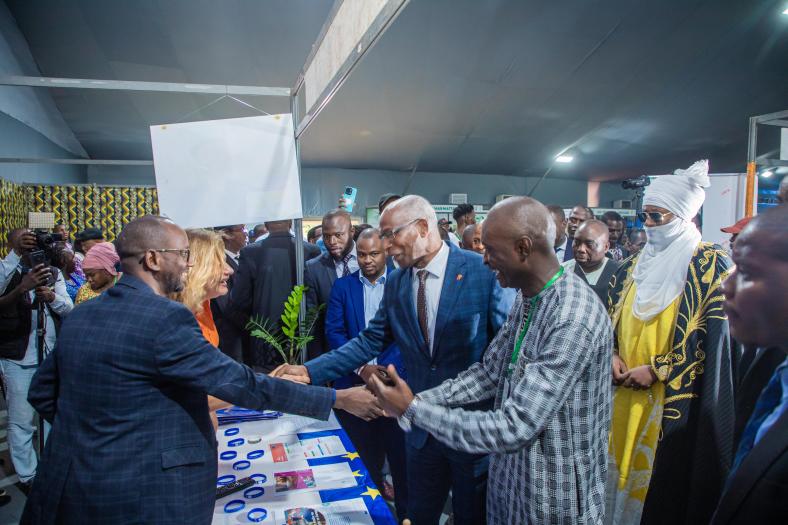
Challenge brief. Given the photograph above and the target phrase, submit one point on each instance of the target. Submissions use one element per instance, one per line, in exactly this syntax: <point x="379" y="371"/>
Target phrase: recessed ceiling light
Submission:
<point x="767" y="174"/>
<point x="564" y="159"/>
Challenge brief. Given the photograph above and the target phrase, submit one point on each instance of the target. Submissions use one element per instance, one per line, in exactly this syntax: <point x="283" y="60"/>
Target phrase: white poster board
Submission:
<point x="231" y="171"/>
<point x="724" y="205"/>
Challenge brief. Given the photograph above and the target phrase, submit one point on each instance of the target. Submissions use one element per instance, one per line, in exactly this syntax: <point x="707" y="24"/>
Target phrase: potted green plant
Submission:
<point x="289" y="337"/>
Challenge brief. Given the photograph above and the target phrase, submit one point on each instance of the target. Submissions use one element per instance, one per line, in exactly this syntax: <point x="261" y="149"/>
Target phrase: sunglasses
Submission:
<point x="655" y="216"/>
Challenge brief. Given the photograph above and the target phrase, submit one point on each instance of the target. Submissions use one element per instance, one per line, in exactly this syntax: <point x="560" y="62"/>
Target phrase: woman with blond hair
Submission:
<point x="206" y="280"/>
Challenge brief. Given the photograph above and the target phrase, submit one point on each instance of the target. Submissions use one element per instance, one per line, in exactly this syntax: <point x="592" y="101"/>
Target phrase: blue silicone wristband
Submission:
<point x="241" y="465"/>
<point x="257" y="514"/>
<point x="234" y="505"/>
<point x="254" y="492"/>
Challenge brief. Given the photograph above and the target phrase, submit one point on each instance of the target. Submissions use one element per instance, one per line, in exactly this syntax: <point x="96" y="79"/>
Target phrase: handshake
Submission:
<point x="385" y="393"/>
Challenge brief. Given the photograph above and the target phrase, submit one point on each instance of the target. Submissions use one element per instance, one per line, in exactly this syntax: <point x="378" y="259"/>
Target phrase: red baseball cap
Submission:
<point x="738" y="227"/>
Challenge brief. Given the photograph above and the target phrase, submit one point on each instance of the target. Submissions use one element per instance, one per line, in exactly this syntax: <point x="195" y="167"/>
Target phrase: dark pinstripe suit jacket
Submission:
<point x="125" y="388"/>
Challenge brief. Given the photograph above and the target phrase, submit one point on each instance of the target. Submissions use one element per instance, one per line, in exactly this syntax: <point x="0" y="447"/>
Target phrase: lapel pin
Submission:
<point x="459" y="277"/>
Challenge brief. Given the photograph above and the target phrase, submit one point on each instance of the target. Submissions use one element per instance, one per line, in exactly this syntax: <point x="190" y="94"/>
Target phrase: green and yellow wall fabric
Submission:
<point x="81" y="206"/>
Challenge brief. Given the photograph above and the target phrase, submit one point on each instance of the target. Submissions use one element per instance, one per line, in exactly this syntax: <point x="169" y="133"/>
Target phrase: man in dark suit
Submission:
<point x="340" y="260"/>
<point x="590" y="262"/>
<point x="756" y="302"/>
<point x="232" y="338"/>
<point x="354" y="302"/>
<point x="265" y="277"/>
<point x="126" y="390"/>
<point x="615" y="226"/>
<point x="442" y="308"/>
<point x="562" y="246"/>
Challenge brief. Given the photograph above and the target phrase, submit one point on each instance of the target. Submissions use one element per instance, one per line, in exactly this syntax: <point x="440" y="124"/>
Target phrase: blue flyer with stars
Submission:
<point x="305" y="472"/>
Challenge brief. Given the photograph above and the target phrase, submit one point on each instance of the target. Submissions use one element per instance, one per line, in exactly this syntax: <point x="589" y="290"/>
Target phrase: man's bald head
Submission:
<point x="590" y="244"/>
<point x="767" y="233"/>
<point x="149" y="232"/>
<point x="369" y="233"/>
<point x="467" y="236"/>
<point x="596" y="228"/>
<point x="518" y="217"/>
<point x="156" y="251"/>
<point x="518" y="238"/>
<point x="756" y="292"/>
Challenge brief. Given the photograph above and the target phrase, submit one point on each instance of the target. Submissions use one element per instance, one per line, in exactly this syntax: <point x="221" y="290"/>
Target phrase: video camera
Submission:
<point x="636" y="183"/>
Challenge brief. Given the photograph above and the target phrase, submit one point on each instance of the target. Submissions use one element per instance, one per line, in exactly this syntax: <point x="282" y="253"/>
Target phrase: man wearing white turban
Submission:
<point x="671" y="435"/>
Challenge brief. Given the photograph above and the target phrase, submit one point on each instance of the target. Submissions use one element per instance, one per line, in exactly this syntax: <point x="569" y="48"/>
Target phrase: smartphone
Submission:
<point x="349" y="197"/>
<point x="37" y="257"/>
<point x="384" y="376"/>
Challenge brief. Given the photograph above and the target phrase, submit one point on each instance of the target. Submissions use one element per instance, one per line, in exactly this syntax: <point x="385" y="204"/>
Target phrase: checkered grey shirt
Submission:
<point x="549" y="438"/>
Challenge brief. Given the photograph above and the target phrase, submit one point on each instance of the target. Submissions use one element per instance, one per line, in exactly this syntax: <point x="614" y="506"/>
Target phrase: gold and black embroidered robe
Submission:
<point x="695" y="449"/>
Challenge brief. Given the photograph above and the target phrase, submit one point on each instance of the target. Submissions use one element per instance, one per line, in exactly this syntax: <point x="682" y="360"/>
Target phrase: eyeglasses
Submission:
<point x="390" y="235"/>
<point x="185" y="254"/>
<point x="655" y="216"/>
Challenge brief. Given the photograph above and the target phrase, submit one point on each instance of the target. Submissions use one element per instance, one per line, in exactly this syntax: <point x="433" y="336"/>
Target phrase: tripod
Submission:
<point x="41" y="331"/>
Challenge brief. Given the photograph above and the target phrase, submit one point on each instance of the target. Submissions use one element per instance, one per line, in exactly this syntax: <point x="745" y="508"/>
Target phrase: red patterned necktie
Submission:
<point x="421" y="306"/>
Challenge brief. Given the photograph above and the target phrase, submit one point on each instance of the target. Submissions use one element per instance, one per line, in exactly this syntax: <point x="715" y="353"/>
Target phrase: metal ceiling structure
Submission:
<point x="498" y="87"/>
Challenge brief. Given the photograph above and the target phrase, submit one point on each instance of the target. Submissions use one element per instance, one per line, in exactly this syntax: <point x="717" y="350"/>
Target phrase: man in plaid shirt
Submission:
<point x="549" y="370"/>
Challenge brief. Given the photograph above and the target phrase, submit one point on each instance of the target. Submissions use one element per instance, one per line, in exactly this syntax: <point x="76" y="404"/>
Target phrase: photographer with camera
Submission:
<point x="24" y="284"/>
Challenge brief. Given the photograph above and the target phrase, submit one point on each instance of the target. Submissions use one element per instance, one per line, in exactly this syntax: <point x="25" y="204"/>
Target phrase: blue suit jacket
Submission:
<point x="472" y="309"/>
<point x="345" y="320"/>
<point x="126" y="391"/>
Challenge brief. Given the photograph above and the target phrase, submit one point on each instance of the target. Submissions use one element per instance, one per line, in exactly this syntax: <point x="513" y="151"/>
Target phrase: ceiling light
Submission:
<point x="768" y="173"/>
<point x="564" y="159"/>
<point x="786" y="11"/>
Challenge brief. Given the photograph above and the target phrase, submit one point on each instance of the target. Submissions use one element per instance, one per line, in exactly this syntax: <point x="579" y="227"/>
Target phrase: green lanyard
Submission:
<point x="524" y="329"/>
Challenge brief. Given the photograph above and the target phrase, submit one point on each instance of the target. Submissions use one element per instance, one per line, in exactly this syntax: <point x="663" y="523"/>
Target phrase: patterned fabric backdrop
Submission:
<point x="79" y="206"/>
<point x="13" y="211"/>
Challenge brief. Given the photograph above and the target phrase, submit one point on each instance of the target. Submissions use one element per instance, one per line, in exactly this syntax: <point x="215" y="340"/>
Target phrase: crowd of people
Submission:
<point x="536" y="367"/>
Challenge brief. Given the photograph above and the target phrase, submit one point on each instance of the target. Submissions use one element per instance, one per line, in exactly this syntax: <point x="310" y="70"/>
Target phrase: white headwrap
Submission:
<point x="661" y="270"/>
<point x="682" y="193"/>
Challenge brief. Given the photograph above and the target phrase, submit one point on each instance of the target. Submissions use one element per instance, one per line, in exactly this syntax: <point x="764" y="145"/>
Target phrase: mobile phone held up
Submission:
<point x="349" y="198"/>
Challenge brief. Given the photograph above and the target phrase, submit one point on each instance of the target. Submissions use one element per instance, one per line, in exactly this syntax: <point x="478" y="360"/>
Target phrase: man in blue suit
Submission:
<point x="126" y="392"/>
<point x="442" y="308"/>
<point x="354" y="301"/>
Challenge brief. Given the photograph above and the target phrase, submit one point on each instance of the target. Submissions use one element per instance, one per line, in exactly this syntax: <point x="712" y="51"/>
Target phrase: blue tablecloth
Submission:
<point x="357" y="502"/>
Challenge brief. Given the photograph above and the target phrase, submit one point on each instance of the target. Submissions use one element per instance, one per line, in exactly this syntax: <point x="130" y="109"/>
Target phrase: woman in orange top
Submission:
<point x="207" y="279"/>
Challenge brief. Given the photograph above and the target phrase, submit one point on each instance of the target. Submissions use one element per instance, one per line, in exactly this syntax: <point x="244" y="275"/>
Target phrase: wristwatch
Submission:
<point x="406" y="419"/>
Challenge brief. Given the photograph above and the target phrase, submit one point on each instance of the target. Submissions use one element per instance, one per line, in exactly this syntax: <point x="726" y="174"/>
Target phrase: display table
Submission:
<point x="307" y="471"/>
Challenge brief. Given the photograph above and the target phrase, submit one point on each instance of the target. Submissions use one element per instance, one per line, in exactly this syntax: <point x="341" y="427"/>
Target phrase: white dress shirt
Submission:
<point x="61" y="306"/>
<point x="373" y="295"/>
<point x="352" y="263"/>
<point x="436" y="270"/>
<point x="560" y="251"/>
<point x="234" y="256"/>
<point x="591" y="277"/>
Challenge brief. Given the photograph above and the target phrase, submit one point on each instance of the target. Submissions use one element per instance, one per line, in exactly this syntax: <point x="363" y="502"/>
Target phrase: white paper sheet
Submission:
<point x="231" y="171"/>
